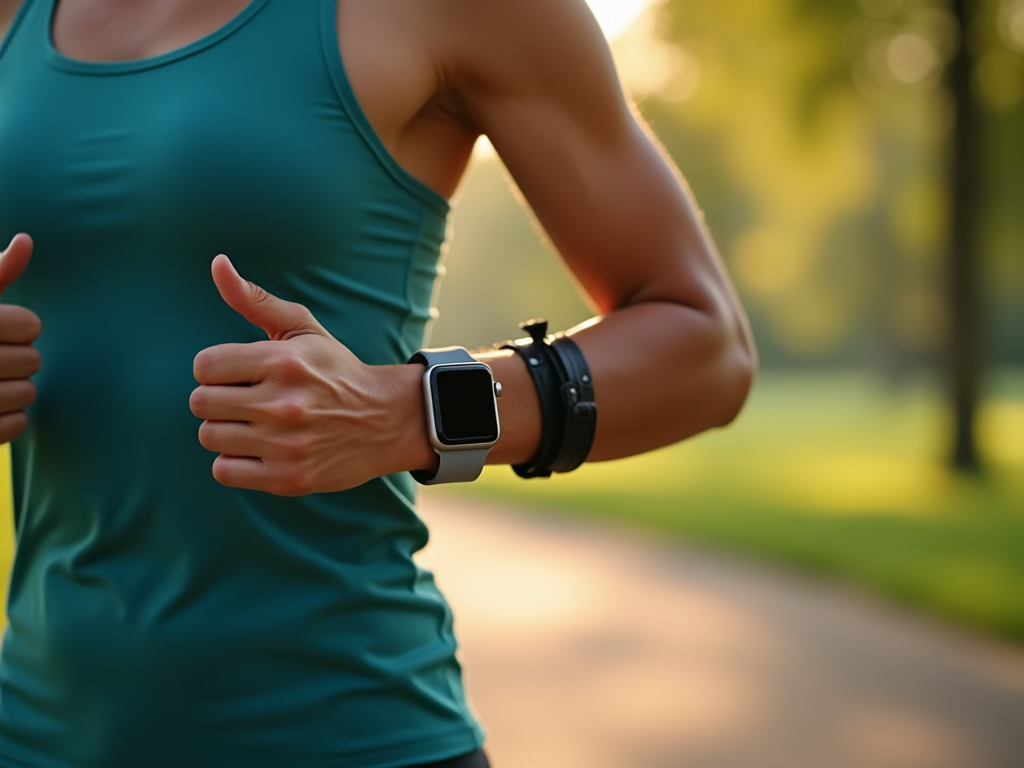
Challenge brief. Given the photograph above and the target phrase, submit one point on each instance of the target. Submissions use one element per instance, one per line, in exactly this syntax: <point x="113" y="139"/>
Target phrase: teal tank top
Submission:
<point x="158" y="619"/>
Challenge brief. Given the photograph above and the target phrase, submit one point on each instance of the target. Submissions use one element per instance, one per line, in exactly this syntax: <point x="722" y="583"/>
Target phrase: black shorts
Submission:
<point x="473" y="760"/>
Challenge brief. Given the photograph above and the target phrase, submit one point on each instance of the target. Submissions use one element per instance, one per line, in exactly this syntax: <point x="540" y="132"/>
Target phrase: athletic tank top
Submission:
<point x="156" y="617"/>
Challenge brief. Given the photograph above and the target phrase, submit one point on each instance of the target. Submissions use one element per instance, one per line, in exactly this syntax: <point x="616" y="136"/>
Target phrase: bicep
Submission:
<point x="613" y="205"/>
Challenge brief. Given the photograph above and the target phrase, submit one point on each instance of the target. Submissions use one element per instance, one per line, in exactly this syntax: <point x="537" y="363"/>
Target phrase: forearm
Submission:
<point x="662" y="372"/>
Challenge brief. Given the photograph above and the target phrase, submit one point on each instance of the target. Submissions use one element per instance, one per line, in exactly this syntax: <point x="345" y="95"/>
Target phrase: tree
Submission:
<point x="965" y="360"/>
<point x="892" y="117"/>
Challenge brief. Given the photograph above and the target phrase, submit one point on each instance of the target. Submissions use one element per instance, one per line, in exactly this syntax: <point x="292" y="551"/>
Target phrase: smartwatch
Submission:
<point x="462" y="413"/>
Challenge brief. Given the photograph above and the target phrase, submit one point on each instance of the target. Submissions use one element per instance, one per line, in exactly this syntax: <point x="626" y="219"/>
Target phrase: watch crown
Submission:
<point x="497" y="389"/>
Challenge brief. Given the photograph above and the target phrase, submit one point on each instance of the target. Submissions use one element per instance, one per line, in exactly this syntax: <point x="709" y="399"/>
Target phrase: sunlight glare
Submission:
<point x="615" y="15"/>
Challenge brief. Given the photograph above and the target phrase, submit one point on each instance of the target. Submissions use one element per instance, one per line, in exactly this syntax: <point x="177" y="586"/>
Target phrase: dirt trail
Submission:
<point x="592" y="647"/>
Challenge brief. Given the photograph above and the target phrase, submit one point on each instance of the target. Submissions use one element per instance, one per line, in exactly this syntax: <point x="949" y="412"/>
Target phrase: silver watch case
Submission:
<point x="428" y="396"/>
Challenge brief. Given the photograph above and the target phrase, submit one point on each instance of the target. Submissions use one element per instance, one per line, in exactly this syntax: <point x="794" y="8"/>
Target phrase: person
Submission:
<point x="269" y="613"/>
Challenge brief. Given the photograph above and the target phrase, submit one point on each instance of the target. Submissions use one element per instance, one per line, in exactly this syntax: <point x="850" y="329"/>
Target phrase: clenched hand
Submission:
<point x="299" y="413"/>
<point x="19" y="328"/>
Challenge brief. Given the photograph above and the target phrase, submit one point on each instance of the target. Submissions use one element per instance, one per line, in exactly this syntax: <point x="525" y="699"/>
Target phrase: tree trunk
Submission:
<point x="965" y="338"/>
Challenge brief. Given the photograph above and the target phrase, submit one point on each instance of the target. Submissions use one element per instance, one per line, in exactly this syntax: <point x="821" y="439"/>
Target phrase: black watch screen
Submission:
<point x="464" y="408"/>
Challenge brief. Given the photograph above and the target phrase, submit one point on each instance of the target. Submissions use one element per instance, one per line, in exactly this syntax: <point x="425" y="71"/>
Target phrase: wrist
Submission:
<point x="408" y="442"/>
<point x="518" y="408"/>
<point x="406" y="429"/>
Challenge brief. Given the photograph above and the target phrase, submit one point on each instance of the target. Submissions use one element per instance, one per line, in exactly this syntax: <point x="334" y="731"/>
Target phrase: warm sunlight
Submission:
<point x="614" y="16"/>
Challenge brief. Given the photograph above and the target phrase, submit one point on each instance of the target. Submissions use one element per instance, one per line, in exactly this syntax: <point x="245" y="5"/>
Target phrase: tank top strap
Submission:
<point x="136" y="571"/>
<point x="343" y="87"/>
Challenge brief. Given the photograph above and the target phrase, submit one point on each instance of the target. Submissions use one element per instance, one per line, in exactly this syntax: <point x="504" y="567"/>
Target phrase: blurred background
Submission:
<point x="843" y="583"/>
<point x="822" y="139"/>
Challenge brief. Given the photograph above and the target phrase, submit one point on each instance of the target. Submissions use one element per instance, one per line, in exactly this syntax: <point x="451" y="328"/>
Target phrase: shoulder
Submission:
<point x="530" y="17"/>
<point x="539" y="52"/>
<point x="483" y="35"/>
<point x="506" y="40"/>
<point x="486" y="49"/>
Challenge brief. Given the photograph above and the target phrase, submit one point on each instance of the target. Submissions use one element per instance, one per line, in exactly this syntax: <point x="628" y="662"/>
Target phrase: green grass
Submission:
<point x="834" y="475"/>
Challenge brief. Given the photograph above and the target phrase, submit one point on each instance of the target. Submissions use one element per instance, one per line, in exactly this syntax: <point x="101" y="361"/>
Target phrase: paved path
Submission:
<point x="594" y="647"/>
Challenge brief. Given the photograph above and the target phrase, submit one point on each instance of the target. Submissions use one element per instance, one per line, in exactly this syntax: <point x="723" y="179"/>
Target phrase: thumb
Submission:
<point x="280" y="319"/>
<point x="14" y="260"/>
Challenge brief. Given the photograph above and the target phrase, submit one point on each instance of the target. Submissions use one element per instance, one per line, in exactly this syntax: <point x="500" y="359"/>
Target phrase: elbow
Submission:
<point x="732" y="365"/>
<point x="739" y="368"/>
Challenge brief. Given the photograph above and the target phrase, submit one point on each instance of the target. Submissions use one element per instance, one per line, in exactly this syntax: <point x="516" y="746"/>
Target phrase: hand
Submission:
<point x="300" y="413"/>
<point x="19" y="328"/>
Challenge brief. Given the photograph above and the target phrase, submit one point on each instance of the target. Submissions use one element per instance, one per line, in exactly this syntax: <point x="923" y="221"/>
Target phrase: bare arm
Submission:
<point x="670" y="352"/>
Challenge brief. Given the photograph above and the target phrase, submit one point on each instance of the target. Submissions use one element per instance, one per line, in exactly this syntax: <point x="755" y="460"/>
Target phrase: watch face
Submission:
<point x="465" y="412"/>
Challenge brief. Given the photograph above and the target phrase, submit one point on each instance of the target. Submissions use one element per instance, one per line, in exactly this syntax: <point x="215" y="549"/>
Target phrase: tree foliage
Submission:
<point x="816" y="135"/>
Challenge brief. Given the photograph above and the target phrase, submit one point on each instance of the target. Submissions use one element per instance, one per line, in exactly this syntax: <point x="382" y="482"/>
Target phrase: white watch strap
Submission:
<point x="429" y="357"/>
<point x="456" y="466"/>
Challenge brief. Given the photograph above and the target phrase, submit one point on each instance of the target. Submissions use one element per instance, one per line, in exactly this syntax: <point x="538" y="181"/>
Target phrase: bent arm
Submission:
<point x="670" y="351"/>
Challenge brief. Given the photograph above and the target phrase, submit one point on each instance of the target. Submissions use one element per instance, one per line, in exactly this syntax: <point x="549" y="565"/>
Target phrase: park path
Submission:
<point x="590" y="646"/>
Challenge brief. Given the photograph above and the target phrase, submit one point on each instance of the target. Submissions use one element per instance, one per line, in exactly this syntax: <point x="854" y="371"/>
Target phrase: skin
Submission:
<point x="669" y="348"/>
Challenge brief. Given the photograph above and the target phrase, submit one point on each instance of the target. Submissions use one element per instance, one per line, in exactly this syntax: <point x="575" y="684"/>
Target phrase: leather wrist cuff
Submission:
<point x="540" y="363"/>
<point x="579" y="410"/>
<point x="566" y="392"/>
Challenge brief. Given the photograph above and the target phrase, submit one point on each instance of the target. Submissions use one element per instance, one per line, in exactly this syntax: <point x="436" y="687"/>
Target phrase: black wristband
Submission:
<point x="579" y="409"/>
<point x="540" y="362"/>
<point x="566" y="392"/>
